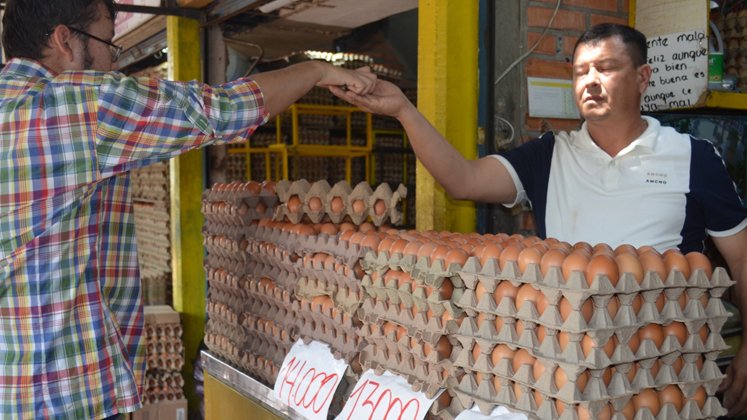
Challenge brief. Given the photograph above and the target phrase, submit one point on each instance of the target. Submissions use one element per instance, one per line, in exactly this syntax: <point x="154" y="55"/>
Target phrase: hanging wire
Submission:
<point x="253" y="45"/>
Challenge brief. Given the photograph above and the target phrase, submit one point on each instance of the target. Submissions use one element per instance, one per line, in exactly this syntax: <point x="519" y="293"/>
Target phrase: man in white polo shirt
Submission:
<point x="621" y="178"/>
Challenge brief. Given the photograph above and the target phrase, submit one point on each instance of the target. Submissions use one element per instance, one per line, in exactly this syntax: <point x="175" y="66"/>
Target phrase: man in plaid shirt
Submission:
<point x="71" y="313"/>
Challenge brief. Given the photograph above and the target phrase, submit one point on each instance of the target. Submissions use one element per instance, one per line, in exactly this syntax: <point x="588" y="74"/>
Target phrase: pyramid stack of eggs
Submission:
<point x="558" y="330"/>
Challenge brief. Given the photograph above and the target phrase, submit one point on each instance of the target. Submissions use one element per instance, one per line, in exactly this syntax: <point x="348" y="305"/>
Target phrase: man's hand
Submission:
<point x="733" y="386"/>
<point x="386" y="99"/>
<point x="360" y="81"/>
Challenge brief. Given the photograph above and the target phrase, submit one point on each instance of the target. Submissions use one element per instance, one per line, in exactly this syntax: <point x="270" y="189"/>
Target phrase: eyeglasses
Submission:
<point x="115" y="49"/>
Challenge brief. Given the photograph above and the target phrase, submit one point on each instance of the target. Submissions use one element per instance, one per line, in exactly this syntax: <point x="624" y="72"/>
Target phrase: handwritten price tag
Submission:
<point x="308" y="379"/>
<point x="387" y="396"/>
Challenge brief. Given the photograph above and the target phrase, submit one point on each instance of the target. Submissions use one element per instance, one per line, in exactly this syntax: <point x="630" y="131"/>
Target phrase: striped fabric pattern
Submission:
<point x="71" y="312"/>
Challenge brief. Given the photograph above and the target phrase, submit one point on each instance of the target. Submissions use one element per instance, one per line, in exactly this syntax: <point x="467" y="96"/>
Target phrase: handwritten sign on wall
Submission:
<point x="679" y="76"/>
<point x="383" y="397"/>
<point x="308" y="379"/>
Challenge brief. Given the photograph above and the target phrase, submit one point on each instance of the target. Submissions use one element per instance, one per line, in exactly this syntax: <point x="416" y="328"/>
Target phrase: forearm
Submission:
<point x="281" y="88"/>
<point x="440" y="158"/>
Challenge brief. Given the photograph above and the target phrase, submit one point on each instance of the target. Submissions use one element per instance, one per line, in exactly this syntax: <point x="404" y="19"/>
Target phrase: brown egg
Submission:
<point x="540" y="332"/>
<point x="605" y="413"/>
<point x="490" y="252"/>
<point x="583" y="246"/>
<point x="439" y="253"/>
<point x="699" y="261"/>
<point x="398" y="246"/>
<point x="652" y="262"/>
<point x="565" y="308"/>
<point x="366" y="227"/>
<point x="328" y="228"/>
<point x="552" y="258"/>
<point x="559" y="407"/>
<point x="359" y="206"/>
<point x="294" y="204"/>
<point x="629" y="263"/>
<point x="385" y="245"/>
<point x="443" y="347"/>
<point x="602" y="248"/>
<point x="563" y="340"/>
<point x="337" y="205"/>
<point x="315" y="204"/>
<point x="526" y="293"/>
<point x="498" y="323"/>
<point x="510" y="253"/>
<point x="653" y="332"/>
<point x="504" y="288"/>
<point x="673" y="395"/>
<point x="561" y="378"/>
<point x="703" y="333"/>
<point x="522" y="357"/>
<point x="253" y="187"/>
<point x="346" y="226"/>
<point x="476" y="350"/>
<point x="426" y="250"/>
<point x="629" y="410"/>
<point x="529" y="256"/>
<point x="268" y="186"/>
<point x="575" y="261"/>
<point x="501" y="351"/>
<point x="538" y="369"/>
<point x="306" y="230"/>
<point x="625" y="249"/>
<point x="380" y="207"/>
<point x="675" y="261"/>
<point x="480" y="291"/>
<point x="700" y="397"/>
<point x="587" y="345"/>
<point x="647" y="398"/>
<point x="370" y="241"/>
<point x="646" y="249"/>
<point x="455" y="256"/>
<point x="538" y="398"/>
<point x="602" y="264"/>
<point x="677" y="329"/>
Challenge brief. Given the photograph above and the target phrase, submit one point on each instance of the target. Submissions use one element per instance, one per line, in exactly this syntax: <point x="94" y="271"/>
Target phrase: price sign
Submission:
<point x="308" y="379"/>
<point x="386" y="396"/>
<point x="498" y="413"/>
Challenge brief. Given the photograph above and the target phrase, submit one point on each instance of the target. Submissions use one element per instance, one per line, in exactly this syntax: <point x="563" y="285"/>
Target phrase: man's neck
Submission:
<point x="613" y="136"/>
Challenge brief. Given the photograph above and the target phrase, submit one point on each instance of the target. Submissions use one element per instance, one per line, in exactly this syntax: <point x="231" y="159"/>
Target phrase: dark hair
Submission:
<point x="27" y="23"/>
<point x="634" y="40"/>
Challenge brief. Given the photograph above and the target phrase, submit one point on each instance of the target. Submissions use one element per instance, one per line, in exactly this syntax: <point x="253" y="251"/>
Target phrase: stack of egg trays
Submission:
<point x="342" y="190"/>
<point x="233" y="205"/>
<point x="427" y="318"/>
<point x="275" y="254"/>
<point x="224" y="333"/>
<point x="269" y="322"/>
<point x="600" y="327"/>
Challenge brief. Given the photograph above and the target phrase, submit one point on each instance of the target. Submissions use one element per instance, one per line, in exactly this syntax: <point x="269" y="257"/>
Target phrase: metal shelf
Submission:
<point x="247" y="386"/>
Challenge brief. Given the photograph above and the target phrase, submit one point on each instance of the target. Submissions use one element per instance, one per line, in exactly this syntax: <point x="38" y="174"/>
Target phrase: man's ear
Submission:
<point x="60" y="43"/>
<point x="644" y="75"/>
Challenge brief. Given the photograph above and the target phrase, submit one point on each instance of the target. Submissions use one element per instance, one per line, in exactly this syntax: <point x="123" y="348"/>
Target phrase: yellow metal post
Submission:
<point x="447" y="96"/>
<point x="183" y="40"/>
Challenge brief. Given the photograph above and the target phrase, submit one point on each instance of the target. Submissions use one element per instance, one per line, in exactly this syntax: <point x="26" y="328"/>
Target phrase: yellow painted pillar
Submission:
<point x="447" y="96"/>
<point x="185" y="63"/>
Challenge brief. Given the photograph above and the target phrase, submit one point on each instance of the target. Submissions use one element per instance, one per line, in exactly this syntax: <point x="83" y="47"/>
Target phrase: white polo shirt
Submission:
<point x="665" y="189"/>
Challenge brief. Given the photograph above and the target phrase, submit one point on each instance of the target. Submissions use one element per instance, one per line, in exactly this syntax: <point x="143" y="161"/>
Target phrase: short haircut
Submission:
<point x="634" y="40"/>
<point x="28" y="23"/>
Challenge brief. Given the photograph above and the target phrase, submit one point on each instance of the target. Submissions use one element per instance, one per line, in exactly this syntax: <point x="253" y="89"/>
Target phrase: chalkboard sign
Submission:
<point x="679" y="76"/>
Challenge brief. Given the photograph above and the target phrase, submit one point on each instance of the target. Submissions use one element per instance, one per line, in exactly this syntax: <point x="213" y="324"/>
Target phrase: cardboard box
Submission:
<point x="161" y="314"/>
<point x="164" y="410"/>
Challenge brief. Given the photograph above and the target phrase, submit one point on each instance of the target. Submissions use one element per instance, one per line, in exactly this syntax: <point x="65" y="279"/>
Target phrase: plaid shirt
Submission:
<point x="71" y="313"/>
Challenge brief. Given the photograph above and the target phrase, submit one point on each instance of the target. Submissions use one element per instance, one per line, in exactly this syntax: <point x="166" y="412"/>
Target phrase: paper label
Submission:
<point x="385" y="396"/>
<point x="498" y="413"/>
<point x="308" y="379"/>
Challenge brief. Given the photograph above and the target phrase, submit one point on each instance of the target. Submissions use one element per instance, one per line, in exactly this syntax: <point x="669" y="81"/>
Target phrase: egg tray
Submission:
<point x="329" y="275"/>
<point x="600" y="319"/>
<point x="236" y="267"/>
<point x="485" y="396"/>
<point x="689" y="378"/>
<point x="345" y="299"/>
<point x="236" y="191"/>
<point x="423" y="377"/>
<point x="234" y="212"/>
<point x="404" y="294"/>
<point x="425" y="269"/>
<point x="445" y="322"/>
<point x="281" y="336"/>
<point x="340" y="332"/>
<point x="226" y="247"/>
<point x="259" y="367"/>
<point x="213" y="228"/>
<point x="225" y="303"/>
<point x="423" y="346"/>
<point x="320" y="190"/>
<point x="597" y="357"/>
<point x="265" y="346"/>
<point x="226" y="282"/>
<point x="577" y="289"/>
<point x="223" y="313"/>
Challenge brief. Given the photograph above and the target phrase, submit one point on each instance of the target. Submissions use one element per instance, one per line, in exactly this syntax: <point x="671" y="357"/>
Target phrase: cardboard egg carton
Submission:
<point x="440" y="322"/>
<point x="226" y="281"/>
<point x="233" y="213"/>
<point x="260" y="367"/>
<point x="226" y="247"/>
<point x="423" y="377"/>
<point x="358" y="204"/>
<point x="425" y="347"/>
<point x="339" y="330"/>
<point x="346" y="299"/>
<point x="578" y="288"/>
